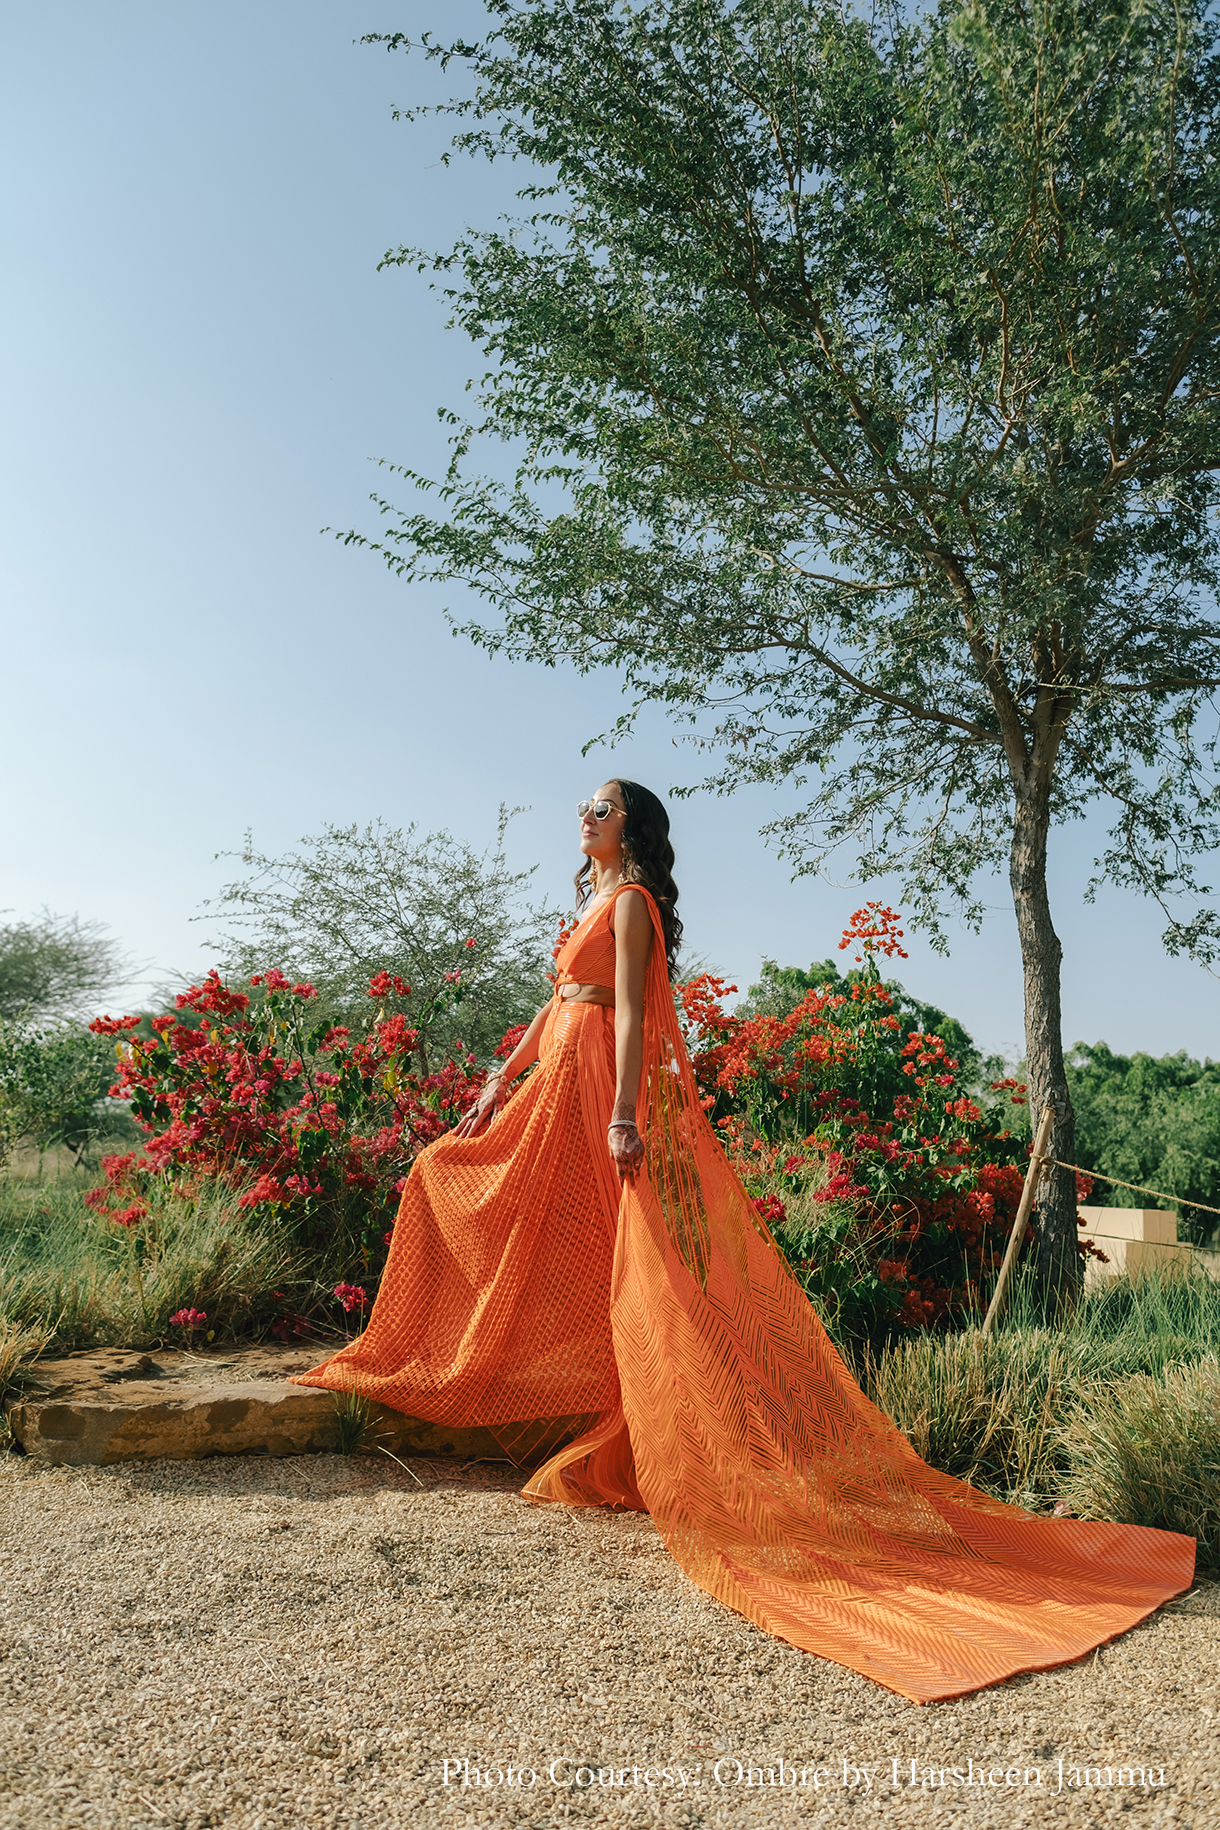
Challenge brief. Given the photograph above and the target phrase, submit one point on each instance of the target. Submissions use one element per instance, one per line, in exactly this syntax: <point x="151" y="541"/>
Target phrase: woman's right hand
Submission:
<point x="482" y="1113"/>
<point x="626" y="1148"/>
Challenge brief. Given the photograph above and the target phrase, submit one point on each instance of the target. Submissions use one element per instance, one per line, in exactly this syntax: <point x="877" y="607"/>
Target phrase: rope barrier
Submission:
<point x="1135" y="1187"/>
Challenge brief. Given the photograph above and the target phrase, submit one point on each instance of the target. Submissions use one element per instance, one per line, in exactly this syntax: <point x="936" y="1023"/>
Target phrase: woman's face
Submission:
<point x="602" y="839"/>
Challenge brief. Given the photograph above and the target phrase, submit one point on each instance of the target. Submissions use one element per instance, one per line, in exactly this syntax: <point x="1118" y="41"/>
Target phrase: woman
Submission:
<point x="582" y="1253"/>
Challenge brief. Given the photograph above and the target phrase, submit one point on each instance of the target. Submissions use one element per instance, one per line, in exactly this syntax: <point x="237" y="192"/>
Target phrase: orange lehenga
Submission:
<point x="664" y="1325"/>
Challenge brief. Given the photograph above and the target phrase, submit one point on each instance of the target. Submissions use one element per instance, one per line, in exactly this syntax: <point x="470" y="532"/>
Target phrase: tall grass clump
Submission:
<point x="986" y="1411"/>
<point x="1146" y="1451"/>
<point x="71" y="1278"/>
<point x="19" y="1345"/>
<point x="1108" y="1416"/>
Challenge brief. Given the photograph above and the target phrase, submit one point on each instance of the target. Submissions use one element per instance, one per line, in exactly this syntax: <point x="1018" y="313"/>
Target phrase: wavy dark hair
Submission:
<point x="648" y="859"/>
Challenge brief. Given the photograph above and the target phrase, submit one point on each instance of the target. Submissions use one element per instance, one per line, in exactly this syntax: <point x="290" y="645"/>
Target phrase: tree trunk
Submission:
<point x="1058" y="1262"/>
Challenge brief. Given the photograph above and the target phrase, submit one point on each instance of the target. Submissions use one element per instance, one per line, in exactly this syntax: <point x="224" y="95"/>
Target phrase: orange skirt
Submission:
<point x="494" y="1307"/>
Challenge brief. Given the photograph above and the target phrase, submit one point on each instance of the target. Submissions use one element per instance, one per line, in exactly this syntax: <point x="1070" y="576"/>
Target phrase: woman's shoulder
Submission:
<point x="632" y="910"/>
<point x="634" y="896"/>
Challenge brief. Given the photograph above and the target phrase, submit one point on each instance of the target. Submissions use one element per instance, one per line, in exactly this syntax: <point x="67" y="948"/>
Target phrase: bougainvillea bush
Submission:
<point x="895" y="1211"/>
<point x="894" y="1207"/>
<point x="305" y="1122"/>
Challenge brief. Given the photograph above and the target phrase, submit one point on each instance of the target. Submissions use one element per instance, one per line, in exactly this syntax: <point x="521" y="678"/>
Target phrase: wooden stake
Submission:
<point x="1022" y="1220"/>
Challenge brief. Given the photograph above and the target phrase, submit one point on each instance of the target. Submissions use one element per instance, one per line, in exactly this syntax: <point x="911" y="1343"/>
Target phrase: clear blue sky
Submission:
<point x="200" y="362"/>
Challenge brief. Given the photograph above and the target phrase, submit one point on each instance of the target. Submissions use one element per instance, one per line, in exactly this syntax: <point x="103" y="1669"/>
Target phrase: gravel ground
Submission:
<point x="303" y="1644"/>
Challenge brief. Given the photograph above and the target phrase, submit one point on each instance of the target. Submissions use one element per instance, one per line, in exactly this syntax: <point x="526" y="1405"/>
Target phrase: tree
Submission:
<point x="863" y="383"/>
<point x="53" y="1089"/>
<point x="353" y="903"/>
<point x="55" y="967"/>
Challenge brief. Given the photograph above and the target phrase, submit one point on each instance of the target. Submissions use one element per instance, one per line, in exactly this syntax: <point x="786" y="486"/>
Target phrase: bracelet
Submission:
<point x="622" y="1124"/>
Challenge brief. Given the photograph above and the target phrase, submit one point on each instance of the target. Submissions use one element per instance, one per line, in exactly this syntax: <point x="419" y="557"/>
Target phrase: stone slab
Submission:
<point x="91" y="1409"/>
<point x="1135" y="1240"/>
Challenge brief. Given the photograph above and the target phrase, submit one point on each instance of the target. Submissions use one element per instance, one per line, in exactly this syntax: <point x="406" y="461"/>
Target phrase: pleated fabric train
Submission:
<point x="662" y="1325"/>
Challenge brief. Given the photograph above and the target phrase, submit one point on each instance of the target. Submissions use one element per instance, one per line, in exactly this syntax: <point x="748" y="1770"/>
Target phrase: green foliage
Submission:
<point x="835" y="1255"/>
<point x="863" y="373"/>
<point x="53" y="1088"/>
<point x="351" y="903"/>
<point x="55" y="967"/>
<point x="1152" y="1121"/>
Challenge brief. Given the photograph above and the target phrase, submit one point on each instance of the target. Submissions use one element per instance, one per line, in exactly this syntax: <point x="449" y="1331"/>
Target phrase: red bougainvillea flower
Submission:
<point x="288" y="1327"/>
<point x="874" y="929"/>
<point x="113" y="1026"/>
<point x="188" y="1318"/>
<point x="266" y="1189"/>
<point x="566" y="930"/>
<point x="509" y="1040"/>
<point x="352" y="1296"/>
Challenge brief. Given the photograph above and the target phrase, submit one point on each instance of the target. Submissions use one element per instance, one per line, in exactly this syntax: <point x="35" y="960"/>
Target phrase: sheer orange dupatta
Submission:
<point x="777" y="1485"/>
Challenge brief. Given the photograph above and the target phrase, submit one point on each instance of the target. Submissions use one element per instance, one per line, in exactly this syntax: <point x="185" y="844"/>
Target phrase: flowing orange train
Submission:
<point x="524" y="1284"/>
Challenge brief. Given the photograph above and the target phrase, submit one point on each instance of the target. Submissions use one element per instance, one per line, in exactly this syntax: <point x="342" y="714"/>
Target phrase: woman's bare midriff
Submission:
<point x="588" y="994"/>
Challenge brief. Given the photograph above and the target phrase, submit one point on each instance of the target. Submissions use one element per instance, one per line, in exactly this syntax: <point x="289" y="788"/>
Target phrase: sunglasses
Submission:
<point x="600" y="810"/>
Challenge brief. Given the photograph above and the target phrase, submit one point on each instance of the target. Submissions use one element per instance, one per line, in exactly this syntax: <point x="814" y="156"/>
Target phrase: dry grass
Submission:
<point x="19" y="1344"/>
<point x="987" y="1411"/>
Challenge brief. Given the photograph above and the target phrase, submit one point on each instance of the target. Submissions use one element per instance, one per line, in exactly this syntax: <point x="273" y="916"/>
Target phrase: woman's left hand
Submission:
<point x="626" y="1147"/>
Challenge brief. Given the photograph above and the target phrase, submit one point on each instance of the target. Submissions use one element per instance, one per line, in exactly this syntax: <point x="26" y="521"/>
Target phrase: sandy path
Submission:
<point x="301" y="1644"/>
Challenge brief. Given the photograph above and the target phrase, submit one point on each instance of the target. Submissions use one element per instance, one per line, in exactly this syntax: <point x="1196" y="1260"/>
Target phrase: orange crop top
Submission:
<point x="588" y="958"/>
